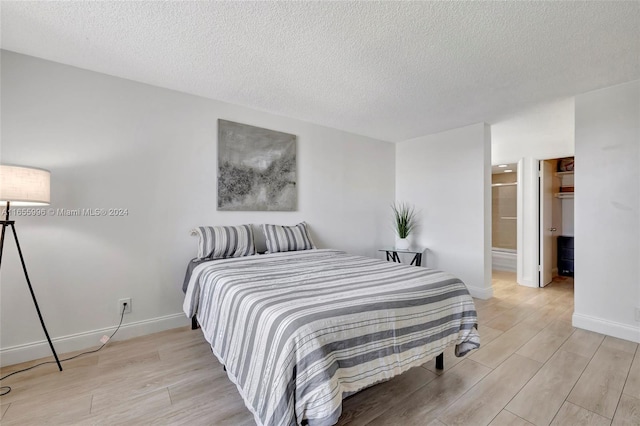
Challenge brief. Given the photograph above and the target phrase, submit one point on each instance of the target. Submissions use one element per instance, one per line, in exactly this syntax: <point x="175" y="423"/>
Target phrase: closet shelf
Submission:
<point x="564" y="194"/>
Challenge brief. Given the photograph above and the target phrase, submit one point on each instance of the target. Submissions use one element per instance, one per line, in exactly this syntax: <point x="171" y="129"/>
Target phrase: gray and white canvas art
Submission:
<point x="256" y="168"/>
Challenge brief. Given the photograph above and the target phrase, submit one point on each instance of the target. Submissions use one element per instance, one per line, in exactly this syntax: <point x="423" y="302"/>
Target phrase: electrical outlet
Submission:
<point x="127" y="309"/>
<point x="638" y="314"/>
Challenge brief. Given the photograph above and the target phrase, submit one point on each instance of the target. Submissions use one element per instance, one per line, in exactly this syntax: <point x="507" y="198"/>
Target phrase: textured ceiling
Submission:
<point x="389" y="70"/>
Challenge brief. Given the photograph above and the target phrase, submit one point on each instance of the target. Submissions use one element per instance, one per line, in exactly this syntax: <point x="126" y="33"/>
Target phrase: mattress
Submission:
<point x="300" y="331"/>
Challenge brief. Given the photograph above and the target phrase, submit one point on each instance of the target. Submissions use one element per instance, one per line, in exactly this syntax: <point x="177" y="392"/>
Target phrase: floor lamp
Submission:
<point x="24" y="186"/>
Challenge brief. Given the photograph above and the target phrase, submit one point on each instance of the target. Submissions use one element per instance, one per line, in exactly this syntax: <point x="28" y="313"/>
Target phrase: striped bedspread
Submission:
<point x="299" y="331"/>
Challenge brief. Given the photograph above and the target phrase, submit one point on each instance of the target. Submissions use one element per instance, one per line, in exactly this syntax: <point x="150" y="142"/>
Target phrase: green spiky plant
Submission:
<point x="404" y="219"/>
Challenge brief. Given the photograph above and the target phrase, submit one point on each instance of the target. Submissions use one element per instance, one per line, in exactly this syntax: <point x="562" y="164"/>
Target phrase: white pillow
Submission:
<point x="287" y="238"/>
<point x="219" y="242"/>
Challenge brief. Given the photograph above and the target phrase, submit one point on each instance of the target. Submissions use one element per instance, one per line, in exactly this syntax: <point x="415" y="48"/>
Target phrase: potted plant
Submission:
<point x="404" y="222"/>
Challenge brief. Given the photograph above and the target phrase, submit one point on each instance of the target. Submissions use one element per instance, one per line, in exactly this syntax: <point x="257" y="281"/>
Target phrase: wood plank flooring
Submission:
<point x="533" y="368"/>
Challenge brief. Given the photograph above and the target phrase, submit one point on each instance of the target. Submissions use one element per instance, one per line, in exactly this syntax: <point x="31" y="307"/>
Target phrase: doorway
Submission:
<point x="555" y="226"/>
<point x="504" y="195"/>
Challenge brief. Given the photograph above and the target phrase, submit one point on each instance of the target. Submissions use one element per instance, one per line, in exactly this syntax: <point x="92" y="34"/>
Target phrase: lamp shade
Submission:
<point x="24" y="186"/>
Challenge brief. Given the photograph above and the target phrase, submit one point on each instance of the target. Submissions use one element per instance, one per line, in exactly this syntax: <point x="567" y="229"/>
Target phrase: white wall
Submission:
<point x="607" y="213"/>
<point x="528" y="215"/>
<point x="543" y="132"/>
<point x="568" y="217"/>
<point x="447" y="176"/>
<point x="114" y="143"/>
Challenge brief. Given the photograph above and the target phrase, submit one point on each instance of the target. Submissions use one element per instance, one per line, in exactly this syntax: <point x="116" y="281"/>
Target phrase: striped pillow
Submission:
<point x="287" y="238"/>
<point x="218" y="242"/>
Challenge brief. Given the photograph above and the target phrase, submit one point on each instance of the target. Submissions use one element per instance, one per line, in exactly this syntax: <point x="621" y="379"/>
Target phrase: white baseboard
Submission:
<point x="89" y="339"/>
<point x="610" y="328"/>
<point x="480" y="293"/>
<point x="504" y="261"/>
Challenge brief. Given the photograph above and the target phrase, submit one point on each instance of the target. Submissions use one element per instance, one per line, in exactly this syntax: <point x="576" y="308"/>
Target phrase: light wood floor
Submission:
<point x="532" y="368"/>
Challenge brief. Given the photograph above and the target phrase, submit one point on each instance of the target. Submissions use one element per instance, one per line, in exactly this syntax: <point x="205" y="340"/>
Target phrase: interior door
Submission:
<point x="546" y="223"/>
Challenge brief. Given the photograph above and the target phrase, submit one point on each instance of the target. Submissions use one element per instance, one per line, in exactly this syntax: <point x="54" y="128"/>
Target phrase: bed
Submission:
<point x="299" y="331"/>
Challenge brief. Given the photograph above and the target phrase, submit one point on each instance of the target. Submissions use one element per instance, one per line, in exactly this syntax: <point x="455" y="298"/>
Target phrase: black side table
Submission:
<point x="393" y="254"/>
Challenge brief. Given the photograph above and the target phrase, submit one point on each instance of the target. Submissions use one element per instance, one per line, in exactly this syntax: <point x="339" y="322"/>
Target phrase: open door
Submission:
<point x="546" y="226"/>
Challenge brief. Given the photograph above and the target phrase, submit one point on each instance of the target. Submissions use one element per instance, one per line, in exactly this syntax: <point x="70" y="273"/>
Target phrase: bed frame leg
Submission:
<point x="194" y="323"/>
<point x="440" y="362"/>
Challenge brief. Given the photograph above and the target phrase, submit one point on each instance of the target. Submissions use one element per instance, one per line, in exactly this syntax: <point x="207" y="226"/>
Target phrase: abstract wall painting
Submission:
<point x="256" y="168"/>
